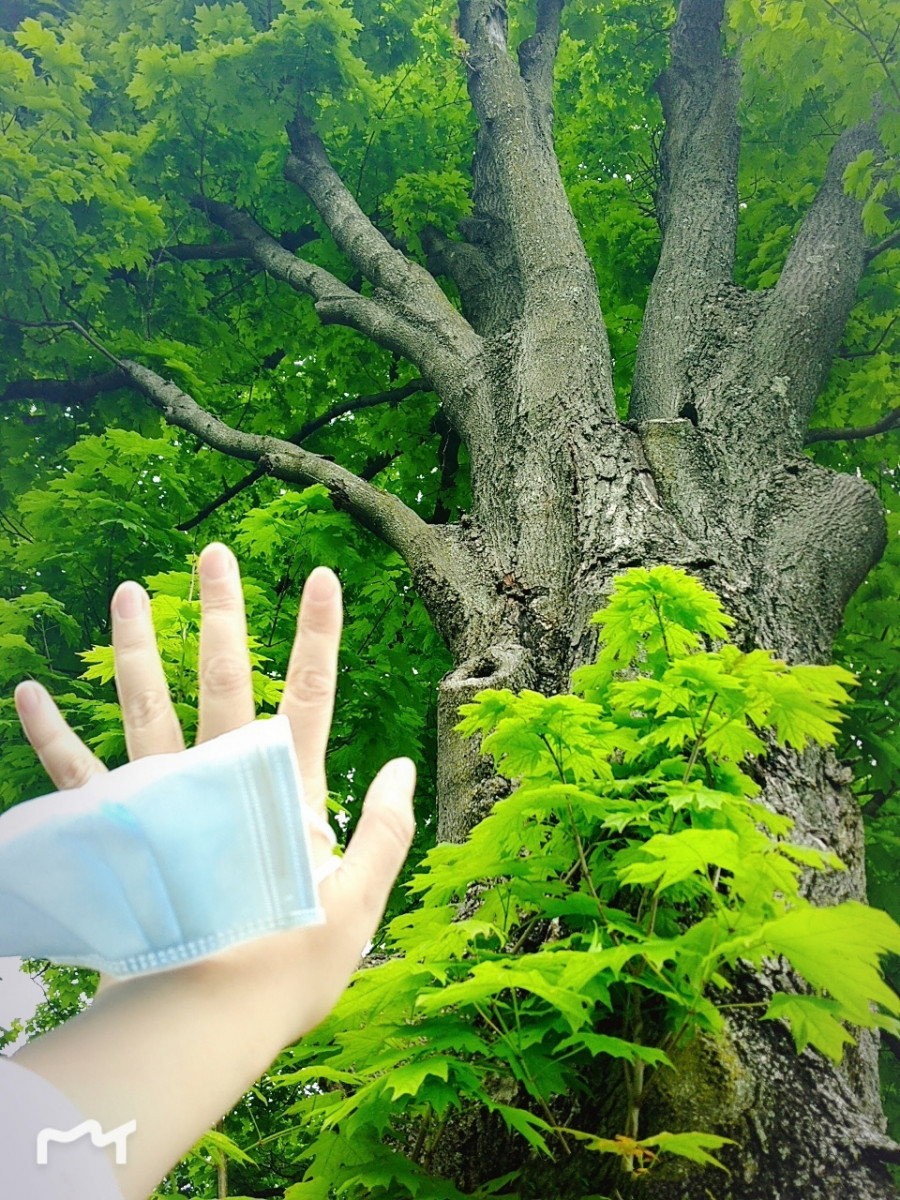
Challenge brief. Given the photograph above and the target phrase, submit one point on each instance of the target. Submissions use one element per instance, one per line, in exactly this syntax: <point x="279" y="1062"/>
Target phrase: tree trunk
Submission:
<point x="802" y="1127"/>
<point x="710" y="477"/>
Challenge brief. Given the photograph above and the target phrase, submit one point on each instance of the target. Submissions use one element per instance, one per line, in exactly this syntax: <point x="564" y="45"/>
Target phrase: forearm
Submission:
<point x="172" y="1051"/>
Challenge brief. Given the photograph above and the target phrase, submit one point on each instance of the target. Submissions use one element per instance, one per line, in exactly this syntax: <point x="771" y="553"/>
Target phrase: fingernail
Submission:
<point x="128" y="601"/>
<point x="215" y="561"/>
<point x="320" y="586"/>
<point x="403" y="774"/>
<point x="29" y="697"/>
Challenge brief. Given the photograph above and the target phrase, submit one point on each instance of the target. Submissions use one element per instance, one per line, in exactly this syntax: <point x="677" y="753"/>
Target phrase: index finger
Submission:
<point x="308" y="699"/>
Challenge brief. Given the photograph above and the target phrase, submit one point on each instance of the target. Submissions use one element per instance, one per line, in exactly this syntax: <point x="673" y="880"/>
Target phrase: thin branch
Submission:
<point x="379" y="116"/>
<point x="395" y="396"/>
<point x="888" y="244"/>
<point x="848" y="354"/>
<point x="885" y="425"/>
<point x="74" y="326"/>
<point x="867" y="36"/>
<point x="228" y="494"/>
<point x="446" y="354"/>
<point x="64" y="391"/>
<point x="8" y="522"/>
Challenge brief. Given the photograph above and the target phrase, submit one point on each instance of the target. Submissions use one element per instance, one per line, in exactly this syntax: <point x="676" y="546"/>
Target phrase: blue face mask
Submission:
<point x="165" y="860"/>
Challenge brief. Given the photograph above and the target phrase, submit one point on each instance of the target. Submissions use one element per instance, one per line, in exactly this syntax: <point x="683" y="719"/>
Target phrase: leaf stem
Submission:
<point x="505" y="1035"/>
<point x="662" y="628"/>
<point x="439" y="1133"/>
<point x="424" y="1126"/>
<point x="699" y="740"/>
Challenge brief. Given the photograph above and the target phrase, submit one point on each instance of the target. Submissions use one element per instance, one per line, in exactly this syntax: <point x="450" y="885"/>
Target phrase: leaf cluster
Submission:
<point x="593" y="921"/>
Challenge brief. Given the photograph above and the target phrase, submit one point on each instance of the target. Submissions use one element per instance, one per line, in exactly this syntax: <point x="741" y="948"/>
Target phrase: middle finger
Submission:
<point x="308" y="699"/>
<point x="226" y="687"/>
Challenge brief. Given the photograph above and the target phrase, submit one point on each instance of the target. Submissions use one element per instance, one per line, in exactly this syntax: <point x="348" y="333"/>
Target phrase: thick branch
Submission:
<point x="810" y="304"/>
<point x="448" y="456"/>
<point x="439" y="564"/>
<point x="885" y="425"/>
<point x="213" y="252"/>
<point x="697" y="198"/>
<point x="541" y="279"/>
<point x="303" y="276"/>
<point x="696" y="203"/>
<point x="309" y="167"/>
<point x="376" y="464"/>
<point x="64" y="391"/>
<point x="307" y="430"/>
<point x="537" y="58"/>
<point x="468" y="267"/>
<point x="447" y="357"/>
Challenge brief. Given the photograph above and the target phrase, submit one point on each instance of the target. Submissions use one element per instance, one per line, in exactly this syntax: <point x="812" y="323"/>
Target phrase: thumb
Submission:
<point x="379" y="846"/>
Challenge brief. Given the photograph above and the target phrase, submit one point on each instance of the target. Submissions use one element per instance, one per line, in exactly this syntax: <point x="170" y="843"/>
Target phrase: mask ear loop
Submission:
<point x="315" y="821"/>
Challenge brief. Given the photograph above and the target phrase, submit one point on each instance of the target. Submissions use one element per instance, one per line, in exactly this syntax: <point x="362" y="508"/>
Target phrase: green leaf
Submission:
<point x="531" y="1127"/>
<point x="408" y="1079"/>
<point x="693" y="1146"/>
<point x="838" y="951"/>
<point x="680" y="855"/>
<point x="814" y="1021"/>
<point x="219" y="1145"/>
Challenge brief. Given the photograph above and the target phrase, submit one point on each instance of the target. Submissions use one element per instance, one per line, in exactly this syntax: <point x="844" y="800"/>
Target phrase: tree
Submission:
<point x="231" y="226"/>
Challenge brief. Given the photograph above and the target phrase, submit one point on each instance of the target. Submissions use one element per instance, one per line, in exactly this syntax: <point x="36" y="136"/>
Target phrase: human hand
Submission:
<point x="297" y="975"/>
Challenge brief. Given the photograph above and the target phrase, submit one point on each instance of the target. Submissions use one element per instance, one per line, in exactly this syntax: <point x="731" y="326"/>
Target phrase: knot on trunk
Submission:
<point x="467" y="784"/>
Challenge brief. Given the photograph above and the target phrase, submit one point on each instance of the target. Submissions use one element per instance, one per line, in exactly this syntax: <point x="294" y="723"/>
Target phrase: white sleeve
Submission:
<point x="32" y="1114"/>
